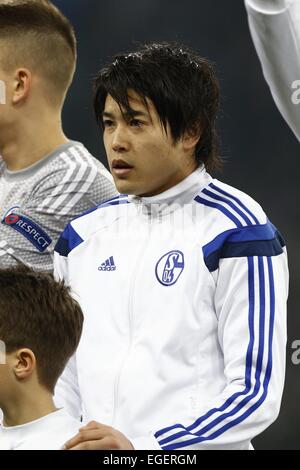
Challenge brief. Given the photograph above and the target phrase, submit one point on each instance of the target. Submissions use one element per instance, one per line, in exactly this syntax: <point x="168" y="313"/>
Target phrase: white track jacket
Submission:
<point x="184" y="296"/>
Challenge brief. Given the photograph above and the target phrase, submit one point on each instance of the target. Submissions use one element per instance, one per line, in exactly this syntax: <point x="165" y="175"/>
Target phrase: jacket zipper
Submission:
<point x="130" y="318"/>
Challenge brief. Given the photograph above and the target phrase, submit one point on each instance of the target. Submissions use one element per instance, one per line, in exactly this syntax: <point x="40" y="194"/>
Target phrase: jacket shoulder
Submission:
<point x="229" y="207"/>
<point x="235" y="226"/>
<point x="86" y="224"/>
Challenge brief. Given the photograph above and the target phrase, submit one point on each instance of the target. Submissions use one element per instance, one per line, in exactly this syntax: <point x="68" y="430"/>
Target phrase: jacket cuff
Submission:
<point x="145" y="443"/>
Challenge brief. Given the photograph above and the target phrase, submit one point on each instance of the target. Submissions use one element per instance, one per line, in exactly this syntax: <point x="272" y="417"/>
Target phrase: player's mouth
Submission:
<point x="121" y="168"/>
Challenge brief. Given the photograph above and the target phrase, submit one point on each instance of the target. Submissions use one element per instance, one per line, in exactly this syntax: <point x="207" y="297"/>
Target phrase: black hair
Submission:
<point x="182" y="86"/>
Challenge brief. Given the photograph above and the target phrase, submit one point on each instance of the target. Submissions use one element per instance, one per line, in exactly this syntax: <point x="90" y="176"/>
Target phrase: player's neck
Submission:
<point x="32" y="143"/>
<point x="28" y="407"/>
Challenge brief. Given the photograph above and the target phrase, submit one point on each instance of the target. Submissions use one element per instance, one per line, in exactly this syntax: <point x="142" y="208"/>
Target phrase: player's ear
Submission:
<point x="22" y="84"/>
<point x="192" y="136"/>
<point x="24" y="364"/>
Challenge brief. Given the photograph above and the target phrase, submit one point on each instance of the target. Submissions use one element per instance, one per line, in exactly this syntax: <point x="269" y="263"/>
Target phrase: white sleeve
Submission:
<point x="268" y="6"/>
<point x="67" y="393"/>
<point x="275" y="30"/>
<point x="250" y="303"/>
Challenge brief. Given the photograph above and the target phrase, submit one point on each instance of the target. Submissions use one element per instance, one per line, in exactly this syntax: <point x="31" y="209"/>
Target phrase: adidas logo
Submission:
<point x="108" y="265"/>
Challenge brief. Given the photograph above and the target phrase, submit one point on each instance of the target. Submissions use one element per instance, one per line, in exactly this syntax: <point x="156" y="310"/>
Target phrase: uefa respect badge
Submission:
<point x="28" y="228"/>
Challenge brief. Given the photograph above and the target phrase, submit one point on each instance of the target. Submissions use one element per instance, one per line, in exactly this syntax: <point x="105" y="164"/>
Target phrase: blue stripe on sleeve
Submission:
<point x="230" y="204"/>
<point x="198" y="436"/>
<point x="221" y="191"/>
<point x="221" y="208"/>
<point x="68" y="241"/>
<point x="249" y="357"/>
<point x="256" y="240"/>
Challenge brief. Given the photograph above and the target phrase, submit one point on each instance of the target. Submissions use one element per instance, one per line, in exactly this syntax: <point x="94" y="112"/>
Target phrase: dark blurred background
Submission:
<point x="262" y="155"/>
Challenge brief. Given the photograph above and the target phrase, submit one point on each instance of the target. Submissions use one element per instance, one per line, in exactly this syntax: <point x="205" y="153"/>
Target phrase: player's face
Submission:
<point x="142" y="157"/>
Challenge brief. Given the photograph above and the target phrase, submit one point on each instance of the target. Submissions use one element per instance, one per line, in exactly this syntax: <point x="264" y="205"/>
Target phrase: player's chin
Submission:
<point x="125" y="186"/>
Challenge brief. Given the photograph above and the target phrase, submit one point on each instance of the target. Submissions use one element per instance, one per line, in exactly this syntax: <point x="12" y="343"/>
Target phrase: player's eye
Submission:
<point x="107" y="123"/>
<point x="135" y="123"/>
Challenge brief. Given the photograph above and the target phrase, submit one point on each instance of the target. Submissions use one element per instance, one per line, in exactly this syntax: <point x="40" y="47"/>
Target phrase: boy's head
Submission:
<point x="37" y="53"/>
<point x="40" y="327"/>
<point x="169" y="98"/>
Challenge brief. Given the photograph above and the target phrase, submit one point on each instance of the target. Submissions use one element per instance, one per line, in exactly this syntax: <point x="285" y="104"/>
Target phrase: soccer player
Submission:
<point x="275" y="29"/>
<point x="40" y="326"/>
<point x="183" y="283"/>
<point x="45" y="178"/>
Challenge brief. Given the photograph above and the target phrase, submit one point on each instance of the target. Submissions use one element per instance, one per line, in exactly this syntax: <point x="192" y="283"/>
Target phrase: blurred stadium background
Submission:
<point x="262" y="157"/>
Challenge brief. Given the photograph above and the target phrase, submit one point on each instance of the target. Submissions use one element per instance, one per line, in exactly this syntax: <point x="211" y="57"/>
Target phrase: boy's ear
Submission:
<point x="22" y="85"/>
<point x="24" y="364"/>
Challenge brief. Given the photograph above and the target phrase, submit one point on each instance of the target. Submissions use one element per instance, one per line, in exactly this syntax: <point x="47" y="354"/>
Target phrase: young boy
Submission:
<point x="40" y="327"/>
<point x="46" y="179"/>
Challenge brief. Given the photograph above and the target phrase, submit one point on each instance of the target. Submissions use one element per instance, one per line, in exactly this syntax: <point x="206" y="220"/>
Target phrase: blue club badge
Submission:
<point x="169" y="267"/>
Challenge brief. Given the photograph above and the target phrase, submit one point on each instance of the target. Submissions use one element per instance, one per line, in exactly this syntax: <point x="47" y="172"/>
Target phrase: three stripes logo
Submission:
<point x="108" y="265"/>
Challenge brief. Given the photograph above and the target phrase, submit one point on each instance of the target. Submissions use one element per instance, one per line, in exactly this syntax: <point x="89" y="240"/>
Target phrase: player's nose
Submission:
<point x="120" y="141"/>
